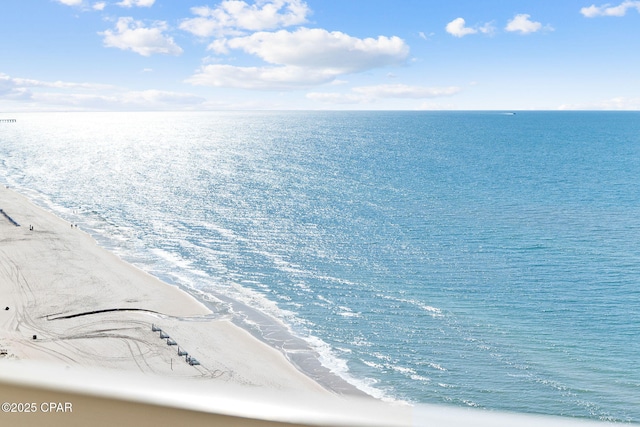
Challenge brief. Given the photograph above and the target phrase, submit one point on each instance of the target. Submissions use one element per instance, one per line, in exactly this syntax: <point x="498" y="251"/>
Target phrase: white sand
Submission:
<point x="56" y="270"/>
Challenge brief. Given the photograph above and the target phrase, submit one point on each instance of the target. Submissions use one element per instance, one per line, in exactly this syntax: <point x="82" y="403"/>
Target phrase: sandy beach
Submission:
<point x="65" y="300"/>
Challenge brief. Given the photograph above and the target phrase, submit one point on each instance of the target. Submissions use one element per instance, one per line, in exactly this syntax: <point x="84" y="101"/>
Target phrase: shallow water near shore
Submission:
<point x="467" y="258"/>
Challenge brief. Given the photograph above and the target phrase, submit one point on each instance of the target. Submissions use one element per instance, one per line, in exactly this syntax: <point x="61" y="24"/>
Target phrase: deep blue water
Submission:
<point x="466" y="258"/>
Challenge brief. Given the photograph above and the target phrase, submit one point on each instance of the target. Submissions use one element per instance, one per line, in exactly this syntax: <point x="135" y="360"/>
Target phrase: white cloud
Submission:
<point x="71" y="2"/>
<point x="133" y="35"/>
<point x="52" y="94"/>
<point x="592" y="11"/>
<point x="11" y="89"/>
<point x="139" y="3"/>
<point x="608" y="10"/>
<point x="523" y="24"/>
<point x="424" y="36"/>
<point x="487" y="28"/>
<point x="84" y="4"/>
<point x="458" y="28"/>
<point x="219" y="46"/>
<point x="263" y="78"/>
<point x="520" y="23"/>
<point x="9" y="83"/>
<point x="235" y="17"/>
<point x="366" y="94"/>
<point x="302" y="58"/>
<point x="321" y="49"/>
<point x="16" y="88"/>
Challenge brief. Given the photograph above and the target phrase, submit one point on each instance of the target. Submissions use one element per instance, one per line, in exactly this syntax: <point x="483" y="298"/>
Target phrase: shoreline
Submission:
<point x="68" y="300"/>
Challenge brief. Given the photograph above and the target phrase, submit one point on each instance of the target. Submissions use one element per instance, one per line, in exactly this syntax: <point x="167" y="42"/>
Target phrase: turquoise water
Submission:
<point x="466" y="258"/>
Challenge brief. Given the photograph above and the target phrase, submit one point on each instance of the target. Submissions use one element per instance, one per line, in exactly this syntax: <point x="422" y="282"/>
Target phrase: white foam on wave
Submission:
<point x="381" y="356"/>
<point x="324" y="299"/>
<point x="218" y="229"/>
<point x="433" y="311"/>
<point x="280" y="263"/>
<point x="387" y="363"/>
<point x="374" y="365"/>
<point x="326" y="354"/>
<point x="347" y="312"/>
<point x="332" y="279"/>
<point x="420" y="378"/>
<point x="259" y="301"/>
<point x="437" y="367"/>
<point x="172" y="258"/>
<point x="303" y="286"/>
<point x="339" y="367"/>
<point x="403" y="370"/>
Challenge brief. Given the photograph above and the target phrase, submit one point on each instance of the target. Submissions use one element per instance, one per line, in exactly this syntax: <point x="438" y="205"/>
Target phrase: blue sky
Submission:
<point x="74" y="55"/>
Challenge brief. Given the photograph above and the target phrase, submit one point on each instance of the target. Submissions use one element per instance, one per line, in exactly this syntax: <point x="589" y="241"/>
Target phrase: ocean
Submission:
<point x="477" y="259"/>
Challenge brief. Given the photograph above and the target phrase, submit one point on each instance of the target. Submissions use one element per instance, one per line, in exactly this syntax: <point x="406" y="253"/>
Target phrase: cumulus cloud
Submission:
<point x="365" y="94"/>
<point x="320" y="49"/>
<point x="236" y="17"/>
<point x="458" y="28"/>
<point x="608" y="10"/>
<point x="523" y="24"/>
<point x="302" y="58"/>
<point x="139" y="3"/>
<point x="130" y="34"/>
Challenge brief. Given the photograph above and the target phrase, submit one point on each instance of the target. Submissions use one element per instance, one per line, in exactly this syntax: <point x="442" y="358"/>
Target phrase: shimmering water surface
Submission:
<point x="467" y="258"/>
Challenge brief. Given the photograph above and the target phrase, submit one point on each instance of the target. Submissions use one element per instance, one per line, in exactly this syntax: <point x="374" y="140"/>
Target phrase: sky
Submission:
<point x="132" y="55"/>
